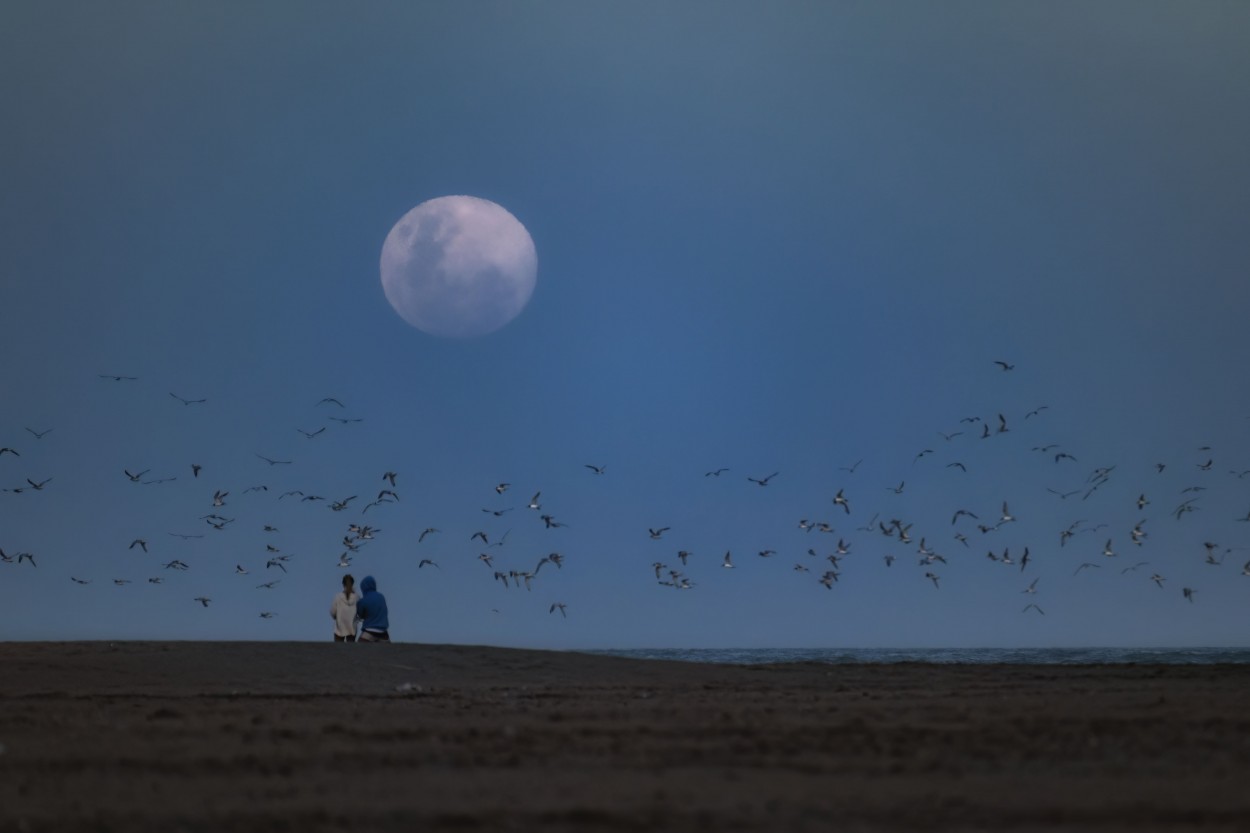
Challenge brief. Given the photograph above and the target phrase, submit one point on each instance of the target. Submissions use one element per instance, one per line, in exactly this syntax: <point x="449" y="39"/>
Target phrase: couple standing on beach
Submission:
<point x="350" y="607"/>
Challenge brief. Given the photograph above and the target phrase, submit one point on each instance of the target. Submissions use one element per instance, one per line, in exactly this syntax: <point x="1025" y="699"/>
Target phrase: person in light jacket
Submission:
<point x="343" y="611"/>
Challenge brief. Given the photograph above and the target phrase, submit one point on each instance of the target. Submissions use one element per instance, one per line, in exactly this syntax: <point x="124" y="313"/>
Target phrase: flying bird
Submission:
<point x="764" y="480"/>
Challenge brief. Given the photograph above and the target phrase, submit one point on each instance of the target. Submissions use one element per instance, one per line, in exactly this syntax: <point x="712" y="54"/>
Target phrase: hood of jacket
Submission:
<point x="368" y="585"/>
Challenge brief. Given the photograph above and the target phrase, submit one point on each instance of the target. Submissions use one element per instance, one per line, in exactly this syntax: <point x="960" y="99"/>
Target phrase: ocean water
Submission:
<point x="1019" y="656"/>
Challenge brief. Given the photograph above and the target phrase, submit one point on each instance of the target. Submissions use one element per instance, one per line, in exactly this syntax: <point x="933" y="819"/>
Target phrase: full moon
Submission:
<point x="458" y="267"/>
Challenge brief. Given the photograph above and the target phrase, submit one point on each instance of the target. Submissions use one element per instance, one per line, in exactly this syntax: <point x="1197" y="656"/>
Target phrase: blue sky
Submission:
<point x="771" y="237"/>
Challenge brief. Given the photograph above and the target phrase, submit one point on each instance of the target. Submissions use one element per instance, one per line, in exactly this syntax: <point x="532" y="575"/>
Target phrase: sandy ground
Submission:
<point x="307" y="737"/>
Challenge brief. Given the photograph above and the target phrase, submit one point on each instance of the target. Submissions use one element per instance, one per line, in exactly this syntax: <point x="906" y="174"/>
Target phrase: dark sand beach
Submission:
<point x="152" y="736"/>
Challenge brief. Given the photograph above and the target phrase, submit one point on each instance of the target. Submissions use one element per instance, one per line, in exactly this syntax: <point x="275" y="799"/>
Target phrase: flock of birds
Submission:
<point x="880" y="531"/>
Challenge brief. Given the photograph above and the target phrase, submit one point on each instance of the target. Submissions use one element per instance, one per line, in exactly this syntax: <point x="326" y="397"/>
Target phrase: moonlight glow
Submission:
<point x="458" y="267"/>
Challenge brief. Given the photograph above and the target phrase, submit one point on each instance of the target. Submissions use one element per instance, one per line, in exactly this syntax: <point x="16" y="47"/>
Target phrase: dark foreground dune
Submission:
<point x="305" y="737"/>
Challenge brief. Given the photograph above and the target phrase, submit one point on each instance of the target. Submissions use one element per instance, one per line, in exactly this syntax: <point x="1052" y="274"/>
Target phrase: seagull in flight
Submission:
<point x="204" y="600"/>
<point x="425" y="561"/>
<point x="273" y="462"/>
<point x="187" y="401"/>
<point x="1004" y="365"/>
<point x="1034" y="607"/>
<point x="657" y="533"/>
<point x="311" y="434"/>
<point x="558" y="606"/>
<point x="119" y="378"/>
<point x="763" y="481"/>
<point x="429" y="530"/>
<point x="596" y="469"/>
<point x="39" y="435"/>
<point x="728" y="562"/>
<point x="329" y="400"/>
<point x="135" y="478"/>
<point x="850" y="469"/>
<point x="138" y="542"/>
<point x="715" y="472"/>
<point x="840" y="500"/>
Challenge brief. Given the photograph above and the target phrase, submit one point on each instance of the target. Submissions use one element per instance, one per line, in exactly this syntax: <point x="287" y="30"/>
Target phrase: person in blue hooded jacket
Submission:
<point x="371" y="611"/>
